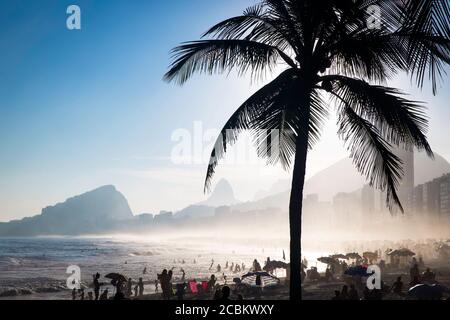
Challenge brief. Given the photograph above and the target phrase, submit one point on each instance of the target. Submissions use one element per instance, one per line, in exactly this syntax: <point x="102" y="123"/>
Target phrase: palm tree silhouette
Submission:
<point x="335" y="51"/>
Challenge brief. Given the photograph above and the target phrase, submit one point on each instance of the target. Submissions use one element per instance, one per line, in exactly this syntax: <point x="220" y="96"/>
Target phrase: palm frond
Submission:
<point x="371" y="154"/>
<point x="401" y="121"/>
<point x="216" y="56"/>
<point x="247" y="116"/>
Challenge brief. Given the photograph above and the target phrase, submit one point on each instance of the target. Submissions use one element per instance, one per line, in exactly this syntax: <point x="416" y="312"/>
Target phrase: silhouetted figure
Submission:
<point x="183" y="276"/>
<point x="104" y="295"/>
<point x="226" y="265"/>
<point x="81" y="294"/>
<point x="211" y="282"/>
<point x="428" y="276"/>
<point x="414" y="272"/>
<point x="353" y="293"/>
<point x="344" y="292"/>
<point x="256" y="266"/>
<point x="141" y="287"/>
<point x="90" y="296"/>
<point x="219" y="268"/>
<point x="144" y="271"/>
<point x="74" y="294"/>
<point x="96" y="285"/>
<point x="337" y="295"/>
<point x="164" y="279"/>
<point x="156" y="285"/>
<point x="129" y="287"/>
<point x="181" y="289"/>
<point x="328" y="275"/>
<point x="397" y="287"/>
<point x="284" y="255"/>
<point x="136" y="290"/>
<point x="225" y="293"/>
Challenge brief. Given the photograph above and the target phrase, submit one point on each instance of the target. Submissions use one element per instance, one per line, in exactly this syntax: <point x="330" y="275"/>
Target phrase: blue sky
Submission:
<point x="83" y="108"/>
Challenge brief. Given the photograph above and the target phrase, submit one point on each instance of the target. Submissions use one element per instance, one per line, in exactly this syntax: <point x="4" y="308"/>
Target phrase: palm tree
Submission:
<point x="336" y="56"/>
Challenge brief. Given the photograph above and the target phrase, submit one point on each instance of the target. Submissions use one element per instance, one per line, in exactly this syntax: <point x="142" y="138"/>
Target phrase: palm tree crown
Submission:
<point x="337" y="51"/>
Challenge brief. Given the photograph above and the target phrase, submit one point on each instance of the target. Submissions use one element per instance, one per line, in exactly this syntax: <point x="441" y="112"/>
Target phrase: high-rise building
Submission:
<point x="406" y="184"/>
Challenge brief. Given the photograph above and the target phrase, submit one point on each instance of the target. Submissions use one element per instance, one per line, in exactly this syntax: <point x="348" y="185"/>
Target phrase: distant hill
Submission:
<point x="222" y="195"/>
<point x="90" y="212"/>
<point x="343" y="177"/>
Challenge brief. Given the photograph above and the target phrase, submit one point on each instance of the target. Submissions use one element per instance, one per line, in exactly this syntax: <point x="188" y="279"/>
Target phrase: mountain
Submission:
<point x="89" y="212"/>
<point x="222" y="195"/>
<point x="343" y="177"/>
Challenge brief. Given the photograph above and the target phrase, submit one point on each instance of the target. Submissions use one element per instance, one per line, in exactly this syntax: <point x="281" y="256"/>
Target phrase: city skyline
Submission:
<point x="85" y="108"/>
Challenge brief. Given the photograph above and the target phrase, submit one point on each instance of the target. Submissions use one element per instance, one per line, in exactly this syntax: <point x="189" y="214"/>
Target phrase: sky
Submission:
<point x="84" y="108"/>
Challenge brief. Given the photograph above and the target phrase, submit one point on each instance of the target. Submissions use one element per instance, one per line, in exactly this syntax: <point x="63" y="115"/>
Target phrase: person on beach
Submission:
<point x="337" y="295"/>
<point x="224" y="277"/>
<point x="219" y="268"/>
<point x="226" y="265"/>
<point x="144" y="271"/>
<point x="181" y="289"/>
<point x="344" y="292"/>
<point x="397" y="287"/>
<point x="136" y="290"/>
<point x="353" y="293"/>
<point x="96" y="285"/>
<point x="141" y="287"/>
<point x="104" y="295"/>
<point x="81" y="291"/>
<point x="211" y="282"/>
<point x="90" y="296"/>
<point x="328" y="275"/>
<point x="428" y="275"/>
<point x="183" y="276"/>
<point x="74" y="294"/>
<point x="156" y="285"/>
<point x="256" y="266"/>
<point x="164" y="279"/>
<point x="225" y="293"/>
<point x="129" y="288"/>
<point x="414" y="271"/>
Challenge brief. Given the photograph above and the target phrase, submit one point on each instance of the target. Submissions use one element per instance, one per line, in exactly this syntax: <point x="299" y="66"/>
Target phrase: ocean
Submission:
<point x="35" y="268"/>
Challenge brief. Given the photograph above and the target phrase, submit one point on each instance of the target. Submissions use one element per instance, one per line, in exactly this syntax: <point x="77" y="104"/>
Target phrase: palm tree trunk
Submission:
<point x="296" y="201"/>
<point x="295" y="218"/>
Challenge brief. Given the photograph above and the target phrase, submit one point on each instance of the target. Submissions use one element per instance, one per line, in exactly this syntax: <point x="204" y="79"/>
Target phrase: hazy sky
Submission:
<point x="84" y="108"/>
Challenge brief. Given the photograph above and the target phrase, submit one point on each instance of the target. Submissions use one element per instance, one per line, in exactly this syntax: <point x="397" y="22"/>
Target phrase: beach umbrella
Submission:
<point x="353" y="255"/>
<point x="267" y="280"/>
<point x="402" y="253"/>
<point x="428" y="292"/>
<point x="274" y="264"/>
<point x="116" y="277"/>
<point x="327" y="260"/>
<point x="338" y="256"/>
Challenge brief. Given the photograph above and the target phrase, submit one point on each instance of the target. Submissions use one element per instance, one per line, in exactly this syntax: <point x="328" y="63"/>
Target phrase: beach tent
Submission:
<point x="267" y="280"/>
<point x="193" y="286"/>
